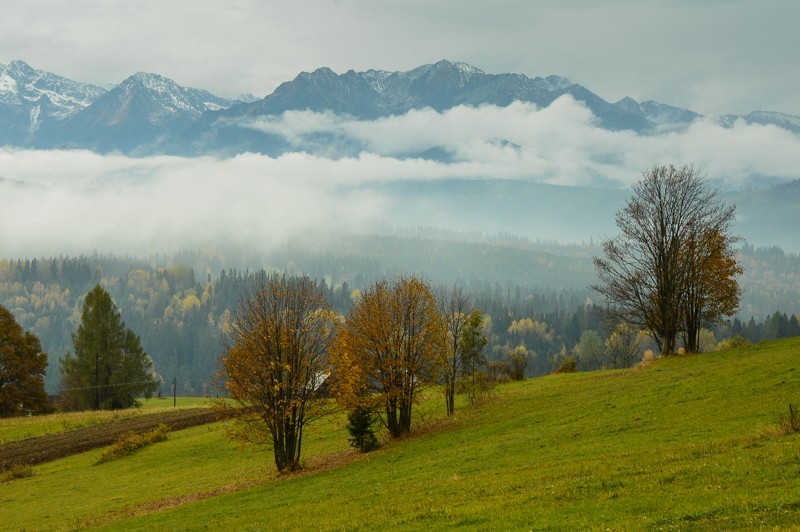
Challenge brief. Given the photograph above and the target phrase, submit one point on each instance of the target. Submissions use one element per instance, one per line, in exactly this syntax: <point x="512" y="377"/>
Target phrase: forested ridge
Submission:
<point x="533" y="294"/>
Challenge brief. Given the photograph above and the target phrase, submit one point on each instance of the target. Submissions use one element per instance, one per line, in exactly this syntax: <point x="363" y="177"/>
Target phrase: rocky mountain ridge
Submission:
<point x="149" y="113"/>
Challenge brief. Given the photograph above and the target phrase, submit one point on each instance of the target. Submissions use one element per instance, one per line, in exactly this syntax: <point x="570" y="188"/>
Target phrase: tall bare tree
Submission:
<point x="649" y="269"/>
<point x="275" y="362"/>
<point x="454" y="308"/>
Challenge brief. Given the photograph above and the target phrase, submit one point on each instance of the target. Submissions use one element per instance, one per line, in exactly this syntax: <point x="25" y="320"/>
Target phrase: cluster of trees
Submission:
<point x="181" y="320"/>
<point x="108" y="370"/>
<point x="672" y="273"/>
<point x="285" y="341"/>
<point x="778" y="325"/>
<point x="289" y="340"/>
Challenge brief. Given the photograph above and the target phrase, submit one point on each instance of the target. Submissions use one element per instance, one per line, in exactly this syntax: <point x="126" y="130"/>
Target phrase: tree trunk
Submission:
<point x="450" y="395"/>
<point x="391" y="420"/>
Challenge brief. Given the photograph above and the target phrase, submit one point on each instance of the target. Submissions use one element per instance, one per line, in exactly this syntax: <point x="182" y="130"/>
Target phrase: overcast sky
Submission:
<point x="712" y="56"/>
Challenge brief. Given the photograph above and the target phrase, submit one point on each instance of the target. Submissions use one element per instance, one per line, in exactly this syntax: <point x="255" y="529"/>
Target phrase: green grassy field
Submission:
<point x="690" y="442"/>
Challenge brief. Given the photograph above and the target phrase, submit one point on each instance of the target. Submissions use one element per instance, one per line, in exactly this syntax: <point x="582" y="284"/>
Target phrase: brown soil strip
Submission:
<point x="54" y="446"/>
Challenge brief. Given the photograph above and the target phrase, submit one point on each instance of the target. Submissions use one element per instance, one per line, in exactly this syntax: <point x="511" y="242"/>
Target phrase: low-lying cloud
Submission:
<point x="78" y="201"/>
<point x="560" y="144"/>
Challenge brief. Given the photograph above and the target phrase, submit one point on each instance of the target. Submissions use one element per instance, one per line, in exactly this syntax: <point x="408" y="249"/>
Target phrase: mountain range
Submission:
<point x="150" y="114"/>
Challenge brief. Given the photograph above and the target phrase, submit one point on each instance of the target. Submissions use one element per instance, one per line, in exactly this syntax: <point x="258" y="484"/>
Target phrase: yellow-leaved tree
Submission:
<point x="389" y="347"/>
<point x="275" y="361"/>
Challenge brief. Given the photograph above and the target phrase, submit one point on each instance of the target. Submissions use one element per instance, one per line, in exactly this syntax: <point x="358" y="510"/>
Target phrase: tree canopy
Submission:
<point x="22" y="367"/>
<point x="109" y="369"/>
<point x="672" y="268"/>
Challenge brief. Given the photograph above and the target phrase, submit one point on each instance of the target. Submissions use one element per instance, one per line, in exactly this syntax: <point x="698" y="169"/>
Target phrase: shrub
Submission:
<point x="735" y="341"/>
<point x="17" y="471"/>
<point x="648" y="357"/>
<point x="496" y="371"/>
<point x="568" y="365"/>
<point x="479" y="385"/>
<point x="130" y="442"/>
<point x="791" y="423"/>
<point x="517" y="362"/>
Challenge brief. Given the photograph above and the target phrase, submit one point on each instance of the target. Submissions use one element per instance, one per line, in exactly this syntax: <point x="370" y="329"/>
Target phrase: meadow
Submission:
<point x="688" y="442"/>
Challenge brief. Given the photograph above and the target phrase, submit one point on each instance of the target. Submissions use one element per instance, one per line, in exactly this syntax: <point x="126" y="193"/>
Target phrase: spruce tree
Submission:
<point x="359" y="425"/>
<point x="109" y="368"/>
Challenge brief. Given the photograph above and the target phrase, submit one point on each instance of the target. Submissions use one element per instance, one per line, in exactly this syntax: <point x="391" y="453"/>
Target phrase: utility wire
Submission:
<point x="103" y="386"/>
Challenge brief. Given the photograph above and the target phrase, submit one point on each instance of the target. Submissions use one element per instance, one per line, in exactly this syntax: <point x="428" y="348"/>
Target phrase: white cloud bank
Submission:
<point x="560" y="144"/>
<point x="77" y="201"/>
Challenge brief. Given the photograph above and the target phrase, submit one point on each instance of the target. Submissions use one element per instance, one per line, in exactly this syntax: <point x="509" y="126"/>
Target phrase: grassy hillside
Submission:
<point x="687" y="442"/>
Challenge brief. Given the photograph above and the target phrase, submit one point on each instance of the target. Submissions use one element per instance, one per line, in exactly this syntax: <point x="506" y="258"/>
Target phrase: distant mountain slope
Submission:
<point x="792" y="123"/>
<point x="770" y="216"/>
<point x="149" y="113"/>
<point x="764" y="217"/>
<point x="373" y="94"/>
<point x="658" y="113"/>
<point x="138" y="112"/>
<point x="30" y="98"/>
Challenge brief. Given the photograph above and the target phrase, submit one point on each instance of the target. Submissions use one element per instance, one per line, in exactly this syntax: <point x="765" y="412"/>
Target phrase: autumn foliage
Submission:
<point x="22" y="367"/>
<point x="276" y="361"/>
<point x="389" y="347"/>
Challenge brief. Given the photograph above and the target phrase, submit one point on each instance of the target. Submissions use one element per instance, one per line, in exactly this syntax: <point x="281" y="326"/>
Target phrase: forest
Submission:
<point x="533" y="294"/>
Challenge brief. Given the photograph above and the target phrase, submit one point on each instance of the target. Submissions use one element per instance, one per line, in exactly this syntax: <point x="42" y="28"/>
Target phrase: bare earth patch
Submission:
<point x="54" y="446"/>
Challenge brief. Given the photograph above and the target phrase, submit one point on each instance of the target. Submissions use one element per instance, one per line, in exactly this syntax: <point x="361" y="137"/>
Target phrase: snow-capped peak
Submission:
<point x="42" y="94"/>
<point x="166" y="97"/>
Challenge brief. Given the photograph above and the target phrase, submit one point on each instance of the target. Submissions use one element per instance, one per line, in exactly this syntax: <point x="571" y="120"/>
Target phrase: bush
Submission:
<point x="568" y="365"/>
<point x="497" y="372"/>
<point x="480" y="384"/>
<point x="17" y="471"/>
<point x="517" y="362"/>
<point x="791" y="423"/>
<point x="735" y="341"/>
<point x="359" y="425"/>
<point x="647" y="359"/>
<point x="130" y="442"/>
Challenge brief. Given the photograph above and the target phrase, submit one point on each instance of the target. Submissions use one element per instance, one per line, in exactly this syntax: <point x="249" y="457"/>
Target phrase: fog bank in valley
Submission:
<point x="357" y="176"/>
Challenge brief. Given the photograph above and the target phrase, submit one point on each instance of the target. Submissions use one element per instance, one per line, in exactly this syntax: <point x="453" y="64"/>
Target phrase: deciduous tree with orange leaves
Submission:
<point x="388" y="348"/>
<point x="22" y="366"/>
<point x="275" y="362"/>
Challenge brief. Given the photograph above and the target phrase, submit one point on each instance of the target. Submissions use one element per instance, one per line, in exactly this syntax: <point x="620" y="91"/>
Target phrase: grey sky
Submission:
<point x="715" y="57"/>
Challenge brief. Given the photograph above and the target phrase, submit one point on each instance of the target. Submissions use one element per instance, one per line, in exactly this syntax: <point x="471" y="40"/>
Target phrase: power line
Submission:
<point x="104" y="386"/>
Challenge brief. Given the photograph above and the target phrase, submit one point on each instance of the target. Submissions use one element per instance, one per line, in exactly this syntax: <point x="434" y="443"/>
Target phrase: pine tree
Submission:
<point x="109" y="368"/>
